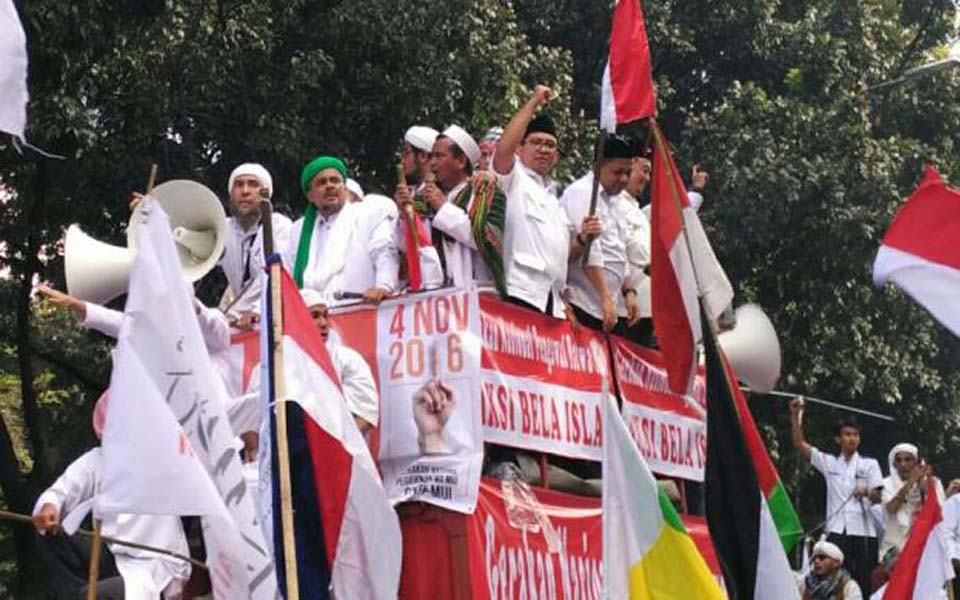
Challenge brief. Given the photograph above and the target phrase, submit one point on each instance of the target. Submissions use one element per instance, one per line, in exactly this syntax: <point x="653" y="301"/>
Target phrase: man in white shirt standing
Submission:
<point x="539" y="237"/>
<point x="853" y="484"/>
<point x="604" y="285"/>
<point x="903" y="495"/>
<point x="342" y="250"/>
<point x="635" y="231"/>
<point x="468" y="211"/>
<point x="243" y="260"/>
<point x="417" y="148"/>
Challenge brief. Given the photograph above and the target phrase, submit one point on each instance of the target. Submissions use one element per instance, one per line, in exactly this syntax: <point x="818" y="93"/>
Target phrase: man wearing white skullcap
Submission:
<point x="470" y="214"/>
<point x="903" y="495"/>
<point x="827" y="579"/>
<point x="354" y="191"/>
<point x="356" y="378"/>
<point x="243" y="260"/>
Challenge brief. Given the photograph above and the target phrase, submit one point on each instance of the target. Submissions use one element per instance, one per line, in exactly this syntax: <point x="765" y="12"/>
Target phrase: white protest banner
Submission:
<point x="670" y="433"/>
<point x="540" y="382"/>
<point x="160" y="330"/>
<point x="431" y="441"/>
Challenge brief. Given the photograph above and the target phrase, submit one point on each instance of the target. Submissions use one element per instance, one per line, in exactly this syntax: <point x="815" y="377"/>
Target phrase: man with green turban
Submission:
<point x="342" y="250"/>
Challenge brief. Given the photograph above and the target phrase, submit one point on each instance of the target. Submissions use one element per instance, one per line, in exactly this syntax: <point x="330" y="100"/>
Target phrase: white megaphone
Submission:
<point x="753" y="348"/>
<point x="99" y="272"/>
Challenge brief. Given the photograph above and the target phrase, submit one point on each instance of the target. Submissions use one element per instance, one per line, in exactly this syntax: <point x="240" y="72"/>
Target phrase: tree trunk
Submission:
<point x="18" y="494"/>
<point x="33" y="418"/>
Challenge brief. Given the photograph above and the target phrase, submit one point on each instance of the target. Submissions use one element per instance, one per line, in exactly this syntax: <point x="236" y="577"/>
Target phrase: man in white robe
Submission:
<point x="342" y="250"/>
<point x="243" y="259"/>
<point x="145" y="574"/>
<point x="417" y="146"/>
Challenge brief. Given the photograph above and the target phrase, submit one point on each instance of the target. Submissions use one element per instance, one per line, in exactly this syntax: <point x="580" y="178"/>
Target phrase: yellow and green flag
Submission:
<point x="647" y="552"/>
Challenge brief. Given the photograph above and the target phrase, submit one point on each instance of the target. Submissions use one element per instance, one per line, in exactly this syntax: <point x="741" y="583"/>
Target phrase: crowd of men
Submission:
<point x="487" y="214"/>
<point x="463" y="214"/>
<point x="868" y="516"/>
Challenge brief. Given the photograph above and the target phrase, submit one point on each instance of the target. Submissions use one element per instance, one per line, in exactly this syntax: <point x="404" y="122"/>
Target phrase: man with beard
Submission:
<point x="342" y="250"/>
<point x="417" y="147"/>
<point x="243" y="260"/>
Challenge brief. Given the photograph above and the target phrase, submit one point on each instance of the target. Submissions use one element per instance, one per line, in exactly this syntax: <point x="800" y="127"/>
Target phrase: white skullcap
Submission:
<point x="827" y="549"/>
<point x="354" y="187"/>
<point x="421" y="137"/>
<point x="312" y="297"/>
<point x="253" y="170"/>
<point x="465" y="141"/>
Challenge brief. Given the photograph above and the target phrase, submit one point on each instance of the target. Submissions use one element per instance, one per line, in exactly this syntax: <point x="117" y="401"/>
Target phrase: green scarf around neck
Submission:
<point x="303" y="244"/>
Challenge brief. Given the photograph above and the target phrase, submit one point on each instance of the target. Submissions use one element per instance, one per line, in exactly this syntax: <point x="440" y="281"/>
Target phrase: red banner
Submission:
<point x="540" y="381"/>
<point x="534" y="543"/>
<point x="668" y="428"/>
<point x="540" y="386"/>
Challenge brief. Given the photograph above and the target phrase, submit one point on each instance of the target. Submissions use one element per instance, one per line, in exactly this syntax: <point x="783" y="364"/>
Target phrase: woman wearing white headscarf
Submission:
<point x="903" y="495"/>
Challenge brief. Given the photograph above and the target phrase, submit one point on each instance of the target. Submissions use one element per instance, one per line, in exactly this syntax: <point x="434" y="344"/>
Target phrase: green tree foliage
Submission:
<point x="808" y="165"/>
<point x="197" y="87"/>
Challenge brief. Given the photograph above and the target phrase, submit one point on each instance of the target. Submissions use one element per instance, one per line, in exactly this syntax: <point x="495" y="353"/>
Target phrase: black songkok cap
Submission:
<point x="621" y="146"/>
<point x="541" y="123"/>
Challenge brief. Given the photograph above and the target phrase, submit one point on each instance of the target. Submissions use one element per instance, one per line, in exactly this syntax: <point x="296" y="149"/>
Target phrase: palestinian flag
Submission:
<point x="781" y="508"/>
<point x="739" y="517"/>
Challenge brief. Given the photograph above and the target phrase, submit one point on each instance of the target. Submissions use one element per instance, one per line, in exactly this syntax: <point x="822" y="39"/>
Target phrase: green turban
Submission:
<point x="318" y="164"/>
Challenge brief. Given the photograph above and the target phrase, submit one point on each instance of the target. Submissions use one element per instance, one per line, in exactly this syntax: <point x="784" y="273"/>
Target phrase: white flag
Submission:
<point x="13" y="71"/>
<point x="162" y="363"/>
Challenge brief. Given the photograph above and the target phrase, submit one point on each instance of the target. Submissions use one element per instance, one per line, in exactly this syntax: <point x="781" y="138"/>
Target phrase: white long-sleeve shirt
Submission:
<point x="464" y="264"/>
<point x="243" y="261"/>
<point x="951" y="525"/>
<point x="145" y="574"/>
<point x="350" y="251"/>
<point x="609" y="252"/>
<point x="536" y="239"/>
<point x="213" y="324"/>
<point x="635" y="232"/>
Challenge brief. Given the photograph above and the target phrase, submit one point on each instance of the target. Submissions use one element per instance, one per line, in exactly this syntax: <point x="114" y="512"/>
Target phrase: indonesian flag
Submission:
<point x="921" y="251"/>
<point x="680" y="259"/>
<point x="924" y="567"/>
<point x="627" y="92"/>
<point x="347" y="535"/>
<point x="416" y="237"/>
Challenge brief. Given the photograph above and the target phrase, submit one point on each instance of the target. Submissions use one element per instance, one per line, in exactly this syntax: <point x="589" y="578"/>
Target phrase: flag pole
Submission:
<point x="595" y="192"/>
<point x="93" y="573"/>
<point x="280" y="406"/>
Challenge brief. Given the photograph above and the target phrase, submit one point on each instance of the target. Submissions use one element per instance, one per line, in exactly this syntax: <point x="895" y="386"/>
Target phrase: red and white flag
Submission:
<point x="627" y="92"/>
<point x="924" y="567"/>
<point x="921" y="251"/>
<point x="681" y="258"/>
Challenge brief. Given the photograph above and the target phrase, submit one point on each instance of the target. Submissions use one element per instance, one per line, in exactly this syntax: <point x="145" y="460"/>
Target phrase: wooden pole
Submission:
<point x="595" y="192"/>
<point x="152" y="178"/>
<point x="280" y="409"/>
<point x="93" y="573"/>
<point x="106" y="539"/>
